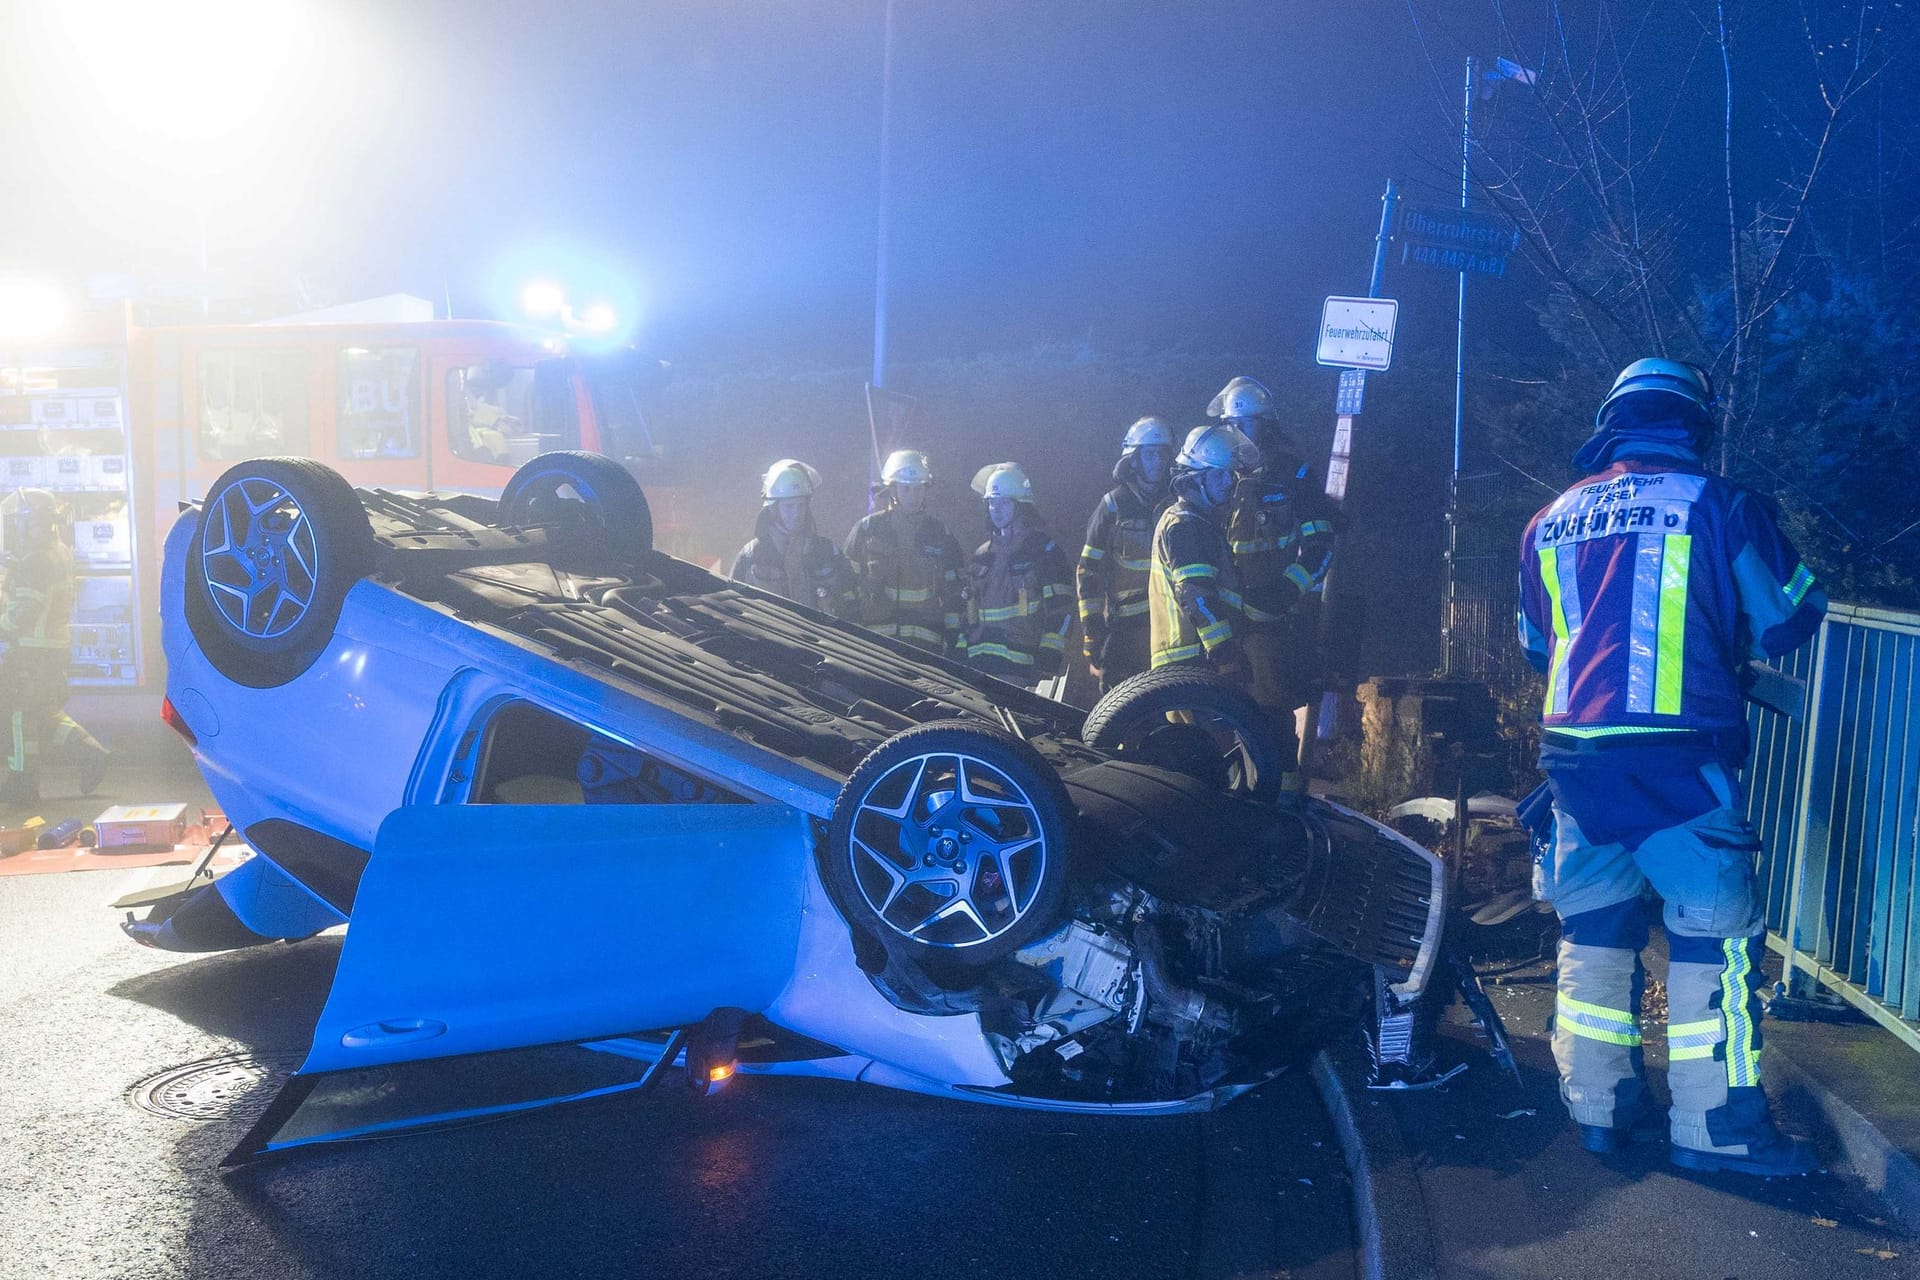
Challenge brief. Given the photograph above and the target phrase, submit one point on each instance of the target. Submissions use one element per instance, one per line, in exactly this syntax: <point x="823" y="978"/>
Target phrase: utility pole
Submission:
<point x="1447" y="664"/>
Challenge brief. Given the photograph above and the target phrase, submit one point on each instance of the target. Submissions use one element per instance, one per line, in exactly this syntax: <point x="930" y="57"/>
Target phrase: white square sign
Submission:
<point x="1357" y="333"/>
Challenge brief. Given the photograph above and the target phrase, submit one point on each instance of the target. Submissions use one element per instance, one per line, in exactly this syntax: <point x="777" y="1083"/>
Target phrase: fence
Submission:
<point x="1491" y="510"/>
<point x="1835" y="796"/>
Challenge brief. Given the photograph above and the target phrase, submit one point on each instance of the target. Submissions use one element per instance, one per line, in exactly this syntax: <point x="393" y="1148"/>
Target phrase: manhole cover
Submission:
<point x="231" y="1087"/>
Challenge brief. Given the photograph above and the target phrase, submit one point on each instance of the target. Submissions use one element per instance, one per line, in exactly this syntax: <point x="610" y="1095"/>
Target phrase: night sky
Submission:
<point x="1062" y="170"/>
<point x="1160" y="186"/>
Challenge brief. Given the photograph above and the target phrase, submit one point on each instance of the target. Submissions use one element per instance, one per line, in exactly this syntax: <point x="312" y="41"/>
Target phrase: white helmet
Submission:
<point x="1147" y="431"/>
<point x="1003" y="480"/>
<point x="789" y="478"/>
<point x="907" y="466"/>
<point x="1217" y="446"/>
<point x="1241" y="398"/>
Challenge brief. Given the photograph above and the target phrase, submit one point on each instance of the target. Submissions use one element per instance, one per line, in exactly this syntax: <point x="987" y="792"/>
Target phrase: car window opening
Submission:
<point x="532" y="756"/>
<point x="507" y="414"/>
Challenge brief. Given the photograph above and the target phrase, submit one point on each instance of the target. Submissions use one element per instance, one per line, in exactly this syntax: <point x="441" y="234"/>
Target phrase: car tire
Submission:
<point x="279" y="543"/>
<point x="592" y="503"/>
<point x="1133" y="720"/>
<point x="949" y="843"/>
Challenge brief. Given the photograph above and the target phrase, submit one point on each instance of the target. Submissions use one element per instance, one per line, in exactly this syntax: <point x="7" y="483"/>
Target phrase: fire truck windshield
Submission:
<point x="623" y="386"/>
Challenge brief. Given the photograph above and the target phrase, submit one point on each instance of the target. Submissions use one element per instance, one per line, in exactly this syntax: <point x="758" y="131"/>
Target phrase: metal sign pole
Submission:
<point x="880" y="240"/>
<point x="1346" y="405"/>
<point x="1447" y="655"/>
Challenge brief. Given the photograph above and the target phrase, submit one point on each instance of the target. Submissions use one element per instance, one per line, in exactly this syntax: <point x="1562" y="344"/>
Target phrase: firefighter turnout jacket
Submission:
<point x="1281" y="534"/>
<point x="1019" y="602"/>
<point x="802" y="566"/>
<point x="1643" y="591"/>
<point x="907" y="569"/>
<point x="1197" y="601"/>
<point x="1111" y="577"/>
<point x="36" y="604"/>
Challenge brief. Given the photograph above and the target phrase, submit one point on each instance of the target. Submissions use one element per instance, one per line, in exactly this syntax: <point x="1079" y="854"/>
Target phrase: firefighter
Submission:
<point x="36" y="609"/>
<point x="1644" y="589"/>
<point x="1112" y="574"/>
<point x="488" y="422"/>
<point x="1020" y="591"/>
<point x="786" y="555"/>
<point x="1197" y="606"/>
<point x="906" y="564"/>
<point x="1282" y="539"/>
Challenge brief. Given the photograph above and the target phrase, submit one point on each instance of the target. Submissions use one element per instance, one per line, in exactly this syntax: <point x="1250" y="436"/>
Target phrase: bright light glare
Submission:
<point x="598" y="318"/>
<point x="32" y="309"/>
<point x="543" y="298"/>
<point x="194" y="76"/>
<point x="715" y="1075"/>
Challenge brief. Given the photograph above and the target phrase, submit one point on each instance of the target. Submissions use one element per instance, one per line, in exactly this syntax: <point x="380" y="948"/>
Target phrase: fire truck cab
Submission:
<point x="449" y="405"/>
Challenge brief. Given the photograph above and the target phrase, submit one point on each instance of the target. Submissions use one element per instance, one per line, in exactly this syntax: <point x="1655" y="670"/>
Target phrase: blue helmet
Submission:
<point x="1654" y="403"/>
<point x="1662" y="377"/>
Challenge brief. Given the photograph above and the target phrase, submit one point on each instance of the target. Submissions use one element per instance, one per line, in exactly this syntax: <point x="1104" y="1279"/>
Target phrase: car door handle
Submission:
<point x="392" y="1031"/>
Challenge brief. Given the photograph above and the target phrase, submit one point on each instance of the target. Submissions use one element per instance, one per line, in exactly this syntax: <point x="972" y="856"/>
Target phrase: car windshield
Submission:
<point x="622" y="385"/>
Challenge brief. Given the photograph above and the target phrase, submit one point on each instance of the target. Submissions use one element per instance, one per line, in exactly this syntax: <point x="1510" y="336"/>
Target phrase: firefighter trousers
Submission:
<point x="1670" y="820"/>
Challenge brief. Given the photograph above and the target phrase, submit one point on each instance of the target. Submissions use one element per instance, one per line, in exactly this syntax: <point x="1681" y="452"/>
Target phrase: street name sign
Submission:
<point x="1456" y="239"/>
<point x="1357" y="333"/>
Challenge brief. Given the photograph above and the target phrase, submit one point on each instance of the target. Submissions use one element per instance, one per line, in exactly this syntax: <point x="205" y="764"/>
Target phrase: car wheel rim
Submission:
<point x="563" y="499"/>
<point x="1198" y="743"/>
<point x="948" y="850"/>
<point x="260" y="560"/>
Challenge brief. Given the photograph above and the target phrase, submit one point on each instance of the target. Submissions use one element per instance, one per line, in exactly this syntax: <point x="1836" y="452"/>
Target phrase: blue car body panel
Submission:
<point x="492" y="927"/>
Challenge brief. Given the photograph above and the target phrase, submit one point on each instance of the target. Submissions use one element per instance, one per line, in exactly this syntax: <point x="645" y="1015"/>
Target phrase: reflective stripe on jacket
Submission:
<point x="907" y="574"/>
<point x="1644" y="590"/>
<point x="1019" y="605"/>
<point x="1111" y="578"/>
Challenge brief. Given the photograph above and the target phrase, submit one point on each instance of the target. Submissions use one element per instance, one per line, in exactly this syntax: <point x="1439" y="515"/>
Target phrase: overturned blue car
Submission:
<point x="564" y="789"/>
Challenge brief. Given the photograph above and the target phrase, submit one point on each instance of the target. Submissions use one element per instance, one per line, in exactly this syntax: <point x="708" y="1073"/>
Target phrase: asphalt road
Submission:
<point x="768" y="1178"/>
<point x="1511" y="1196"/>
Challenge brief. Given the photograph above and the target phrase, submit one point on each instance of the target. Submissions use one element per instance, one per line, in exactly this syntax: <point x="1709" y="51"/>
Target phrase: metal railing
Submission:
<point x="1835" y="796"/>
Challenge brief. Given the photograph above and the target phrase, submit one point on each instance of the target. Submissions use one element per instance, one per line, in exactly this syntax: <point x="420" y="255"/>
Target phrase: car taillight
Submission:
<point x="170" y="715"/>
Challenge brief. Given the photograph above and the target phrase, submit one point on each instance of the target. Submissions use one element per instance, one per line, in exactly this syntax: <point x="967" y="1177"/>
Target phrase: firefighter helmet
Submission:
<point x="1217" y="446"/>
<point x="906" y="466"/>
<point x="789" y="478"/>
<point x="1145" y="433"/>
<point x="1003" y="480"/>
<point x="1241" y="398"/>
<point x="1663" y="377"/>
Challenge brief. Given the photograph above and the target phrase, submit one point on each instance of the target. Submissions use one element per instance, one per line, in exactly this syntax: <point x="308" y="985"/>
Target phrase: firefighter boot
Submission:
<point x="1719" y="1121"/>
<point x="18" y="787"/>
<point x="83" y="751"/>
<point x="1596" y="1040"/>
